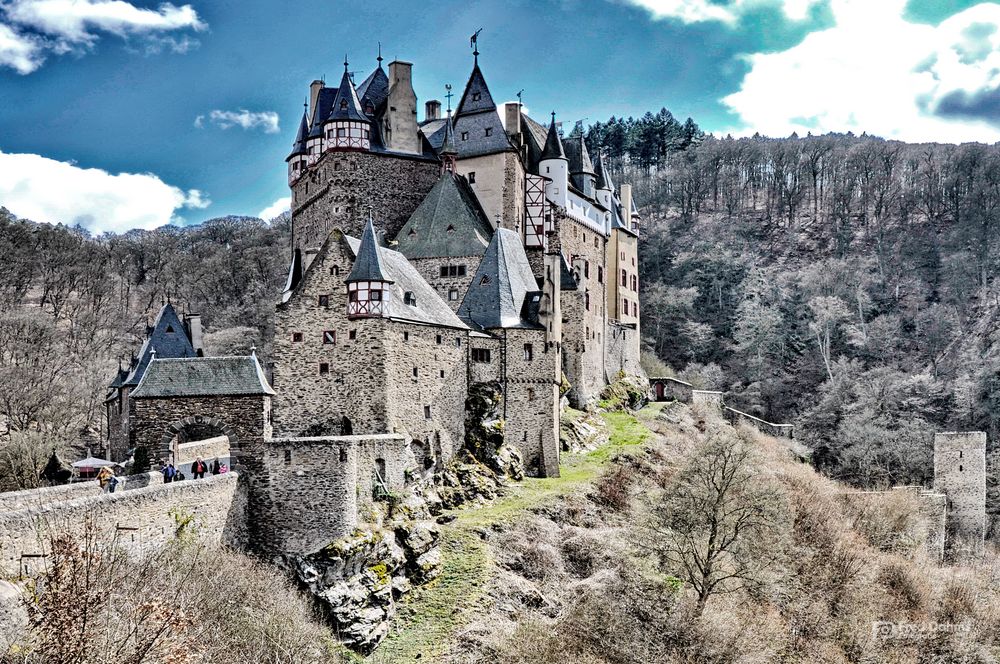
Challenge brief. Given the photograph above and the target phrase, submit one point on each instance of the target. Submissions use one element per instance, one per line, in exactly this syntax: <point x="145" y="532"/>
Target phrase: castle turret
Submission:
<point x="605" y="188"/>
<point x="347" y="128"/>
<point x="368" y="291"/>
<point x="299" y="157"/>
<point x="554" y="166"/>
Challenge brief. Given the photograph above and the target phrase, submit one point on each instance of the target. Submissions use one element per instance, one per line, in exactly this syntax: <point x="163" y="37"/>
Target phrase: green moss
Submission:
<point x="381" y="573"/>
<point x="430" y="615"/>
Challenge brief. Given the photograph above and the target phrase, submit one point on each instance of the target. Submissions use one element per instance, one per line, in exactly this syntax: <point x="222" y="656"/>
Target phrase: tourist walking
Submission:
<point x="215" y="466"/>
<point x="169" y="473"/>
<point x="198" y="468"/>
<point x="104" y="476"/>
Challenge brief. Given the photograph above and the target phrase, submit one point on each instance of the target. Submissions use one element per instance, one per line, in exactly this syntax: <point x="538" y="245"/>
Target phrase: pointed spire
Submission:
<point x="379" y="58"/>
<point x="553" y="144"/>
<point x="299" y="146"/>
<point x="448" y="145"/>
<point x="368" y="263"/>
<point x="603" y="179"/>
<point x="346" y="105"/>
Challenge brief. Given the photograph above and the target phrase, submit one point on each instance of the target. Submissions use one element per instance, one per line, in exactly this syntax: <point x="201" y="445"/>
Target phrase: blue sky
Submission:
<point x="123" y="114"/>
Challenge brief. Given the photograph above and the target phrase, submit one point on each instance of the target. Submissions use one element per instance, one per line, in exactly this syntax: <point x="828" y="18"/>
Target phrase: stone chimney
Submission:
<point x="512" y="121"/>
<point x="314" y="89"/>
<point x="401" y="117"/>
<point x="432" y="110"/>
<point x="626" y="198"/>
<point x="195" y="334"/>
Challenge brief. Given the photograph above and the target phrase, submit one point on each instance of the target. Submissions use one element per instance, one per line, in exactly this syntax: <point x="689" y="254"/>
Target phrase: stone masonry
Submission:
<point x="960" y="474"/>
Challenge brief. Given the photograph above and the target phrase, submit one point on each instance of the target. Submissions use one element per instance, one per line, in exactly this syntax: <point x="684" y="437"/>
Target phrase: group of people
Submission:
<point x="107" y="479"/>
<point x="199" y="468"/>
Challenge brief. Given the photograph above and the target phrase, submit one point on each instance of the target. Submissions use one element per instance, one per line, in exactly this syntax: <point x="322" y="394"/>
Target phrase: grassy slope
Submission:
<point x="430" y="615"/>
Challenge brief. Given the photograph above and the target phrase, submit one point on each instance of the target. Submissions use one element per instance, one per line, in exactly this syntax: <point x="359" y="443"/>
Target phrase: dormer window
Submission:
<point x="472" y="177"/>
<point x="343" y="104"/>
<point x="409" y="298"/>
<point x="324" y="301"/>
<point x="450" y="228"/>
<point x="489" y="131"/>
<point x="485" y="280"/>
<point x="335" y="270"/>
<point x="170" y="329"/>
<point x="476" y="96"/>
<point x="465" y="135"/>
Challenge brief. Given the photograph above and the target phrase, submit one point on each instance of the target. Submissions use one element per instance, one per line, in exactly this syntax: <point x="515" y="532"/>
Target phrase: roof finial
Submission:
<point x="379" y="58"/>
<point x="345" y="63"/>
<point x="253" y="350"/>
<point x="474" y="43"/>
<point x="447" y="86"/>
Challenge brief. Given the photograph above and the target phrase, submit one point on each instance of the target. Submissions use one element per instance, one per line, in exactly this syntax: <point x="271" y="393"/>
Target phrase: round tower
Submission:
<point x="347" y="127"/>
<point x="299" y="158"/>
<point x="554" y="166"/>
<point x="368" y="286"/>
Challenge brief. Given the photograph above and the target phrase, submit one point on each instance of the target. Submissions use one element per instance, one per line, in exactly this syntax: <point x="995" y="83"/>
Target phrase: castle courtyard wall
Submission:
<point x="960" y="474"/>
<point x="142" y="520"/>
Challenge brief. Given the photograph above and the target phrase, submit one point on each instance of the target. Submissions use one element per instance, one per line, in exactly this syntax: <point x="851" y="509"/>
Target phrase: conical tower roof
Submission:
<point x="603" y="179"/>
<point x="346" y="105"/>
<point x="448" y="144"/>
<point x="477" y="97"/>
<point x="553" y="144"/>
<point x="504" y="293"/>
<point x="299" y="147"/>
<point x="368" y="265"/>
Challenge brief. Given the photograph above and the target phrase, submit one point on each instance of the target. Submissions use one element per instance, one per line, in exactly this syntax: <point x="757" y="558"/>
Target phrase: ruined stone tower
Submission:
<point x="960" y="474"/>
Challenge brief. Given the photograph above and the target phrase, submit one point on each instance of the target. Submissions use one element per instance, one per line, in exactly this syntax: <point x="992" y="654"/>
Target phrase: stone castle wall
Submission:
<point x="499" y="186"/>
<point x="531" y="409"/>
<point x="309" y="402"/>
<point x="340" y="188"/>
<point x="315" y="490"/>
<point x="960" y="474"/>
<point x="430" y="270"/>
<point x="622" y="351"/>
<point x="583" y="326"/>
<point x="143" y="519"/>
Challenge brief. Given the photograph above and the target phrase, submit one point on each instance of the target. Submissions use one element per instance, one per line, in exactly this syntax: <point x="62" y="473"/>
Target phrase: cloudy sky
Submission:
<point x="120" y="114"/>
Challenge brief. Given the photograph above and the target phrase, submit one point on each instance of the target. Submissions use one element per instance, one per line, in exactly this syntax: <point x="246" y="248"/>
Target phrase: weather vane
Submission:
<point x="474" y="43"/>
<point x="447" y="86"/>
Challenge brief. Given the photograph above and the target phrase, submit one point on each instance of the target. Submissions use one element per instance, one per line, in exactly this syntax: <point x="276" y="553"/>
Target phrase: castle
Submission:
<point x="429" y="256"/>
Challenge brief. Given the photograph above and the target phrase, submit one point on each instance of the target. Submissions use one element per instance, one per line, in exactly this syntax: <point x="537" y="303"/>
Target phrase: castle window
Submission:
<point x="335" y="270"/>
<point x="343" y="454"/>
<point x="341" y="132"/>
<point x="489" y="131"/>
<point x="600" y="274"/>
<point x="288" y="457"/>
<point x="414" y="372"/>
<point x="625" y="302"/>
<point x="450" y="228"/>
<point x="406" y="336"/>
<point x="635" y="286"/>
<point x="624" y="278"/>
<point x="635" y="308"/>
<point x="409" y="298"/>
<point x="170" y="329"/>
<point x="375" y="296"/>
<point x="481" y="355"/>
<point x="352" y="335"/>
<point x="442" y="373"/>
<point x="546" y="169"/>
<point x="343" y="104"/>
<point x="427" y="412"/>
<point x="528" y="354"/>
<point x="336" y="165"/>
<point x="324" y="369"/>
<point x="524" y="436"/>
<point x="465" y="135"/>
<point x="960" y="454"/>
<point x="595" y="241"/>
<point x="472" y="177"/>
<point x="437" y="339"/>
<point x="586" y="269"/>
<point x="324" y="301"/>
<point x="329" y="337"/>
<point x="296" y="336"/>
<point x="453" y="294"/>
<point x="531" y="396"/>
<point x="960" y="468"/>
<point x="458" y="342"/>
<point x="586" y="301"/>
<point x="476" y="96"/>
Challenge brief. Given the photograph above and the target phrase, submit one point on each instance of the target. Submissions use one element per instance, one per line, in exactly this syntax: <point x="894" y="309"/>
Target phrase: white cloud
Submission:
<point x="874" y="71"/>
<point x="700" y="11"/>
<point x="276" y="208"/>
<point x="97" y="200"/>
<point x="266" y="120"/>
<point x="31" y="28"/>
<point x="20" y="53"/>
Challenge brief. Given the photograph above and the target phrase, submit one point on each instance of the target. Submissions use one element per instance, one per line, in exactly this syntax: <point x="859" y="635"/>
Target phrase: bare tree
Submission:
<point x="720" y="524"/>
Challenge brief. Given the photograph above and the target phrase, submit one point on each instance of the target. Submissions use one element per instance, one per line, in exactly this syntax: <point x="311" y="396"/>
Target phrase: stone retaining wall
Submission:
<point x="771" y="429"/>
<point x="143" y="519"/>
<point x="666" y="388"/>
<point x="36" y="498"/>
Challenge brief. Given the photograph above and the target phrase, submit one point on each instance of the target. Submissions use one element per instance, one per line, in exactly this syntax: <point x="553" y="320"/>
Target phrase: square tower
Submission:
<point x="960" y="474"/>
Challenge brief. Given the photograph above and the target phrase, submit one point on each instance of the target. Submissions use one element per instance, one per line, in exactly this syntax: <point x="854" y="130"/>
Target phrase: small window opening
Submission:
<point x="330" y="337"/>
<point x="296" y="336"/>
<point x="324" y="368"/>
<point x="352" y="335"/>
<point x="288" y="457"/>
<point x="427" y="412"/>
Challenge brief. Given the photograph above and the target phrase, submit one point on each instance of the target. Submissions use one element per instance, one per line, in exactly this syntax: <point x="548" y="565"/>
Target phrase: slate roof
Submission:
<point x="448" y="142"/>
<point x="374" y="90"/>
<point x="504" y="292"/>
<point x="299" y="146"/>
<point x="168" y="338"/>
<point x="576" y="153"/>
<point x="553" y="144"/>
<point x="434" y="130"/>
<point x="203" y="376"/>
<point x="346" y="105"/>
<point x="368" y="258"/>
<point x="475" y="118"/>
<point x="603" y="178"/>
<point x="534" y="135"/>
<point x="430" y="308"/>
<point x="324" y="103"/>
<point x="448" y="222"/>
